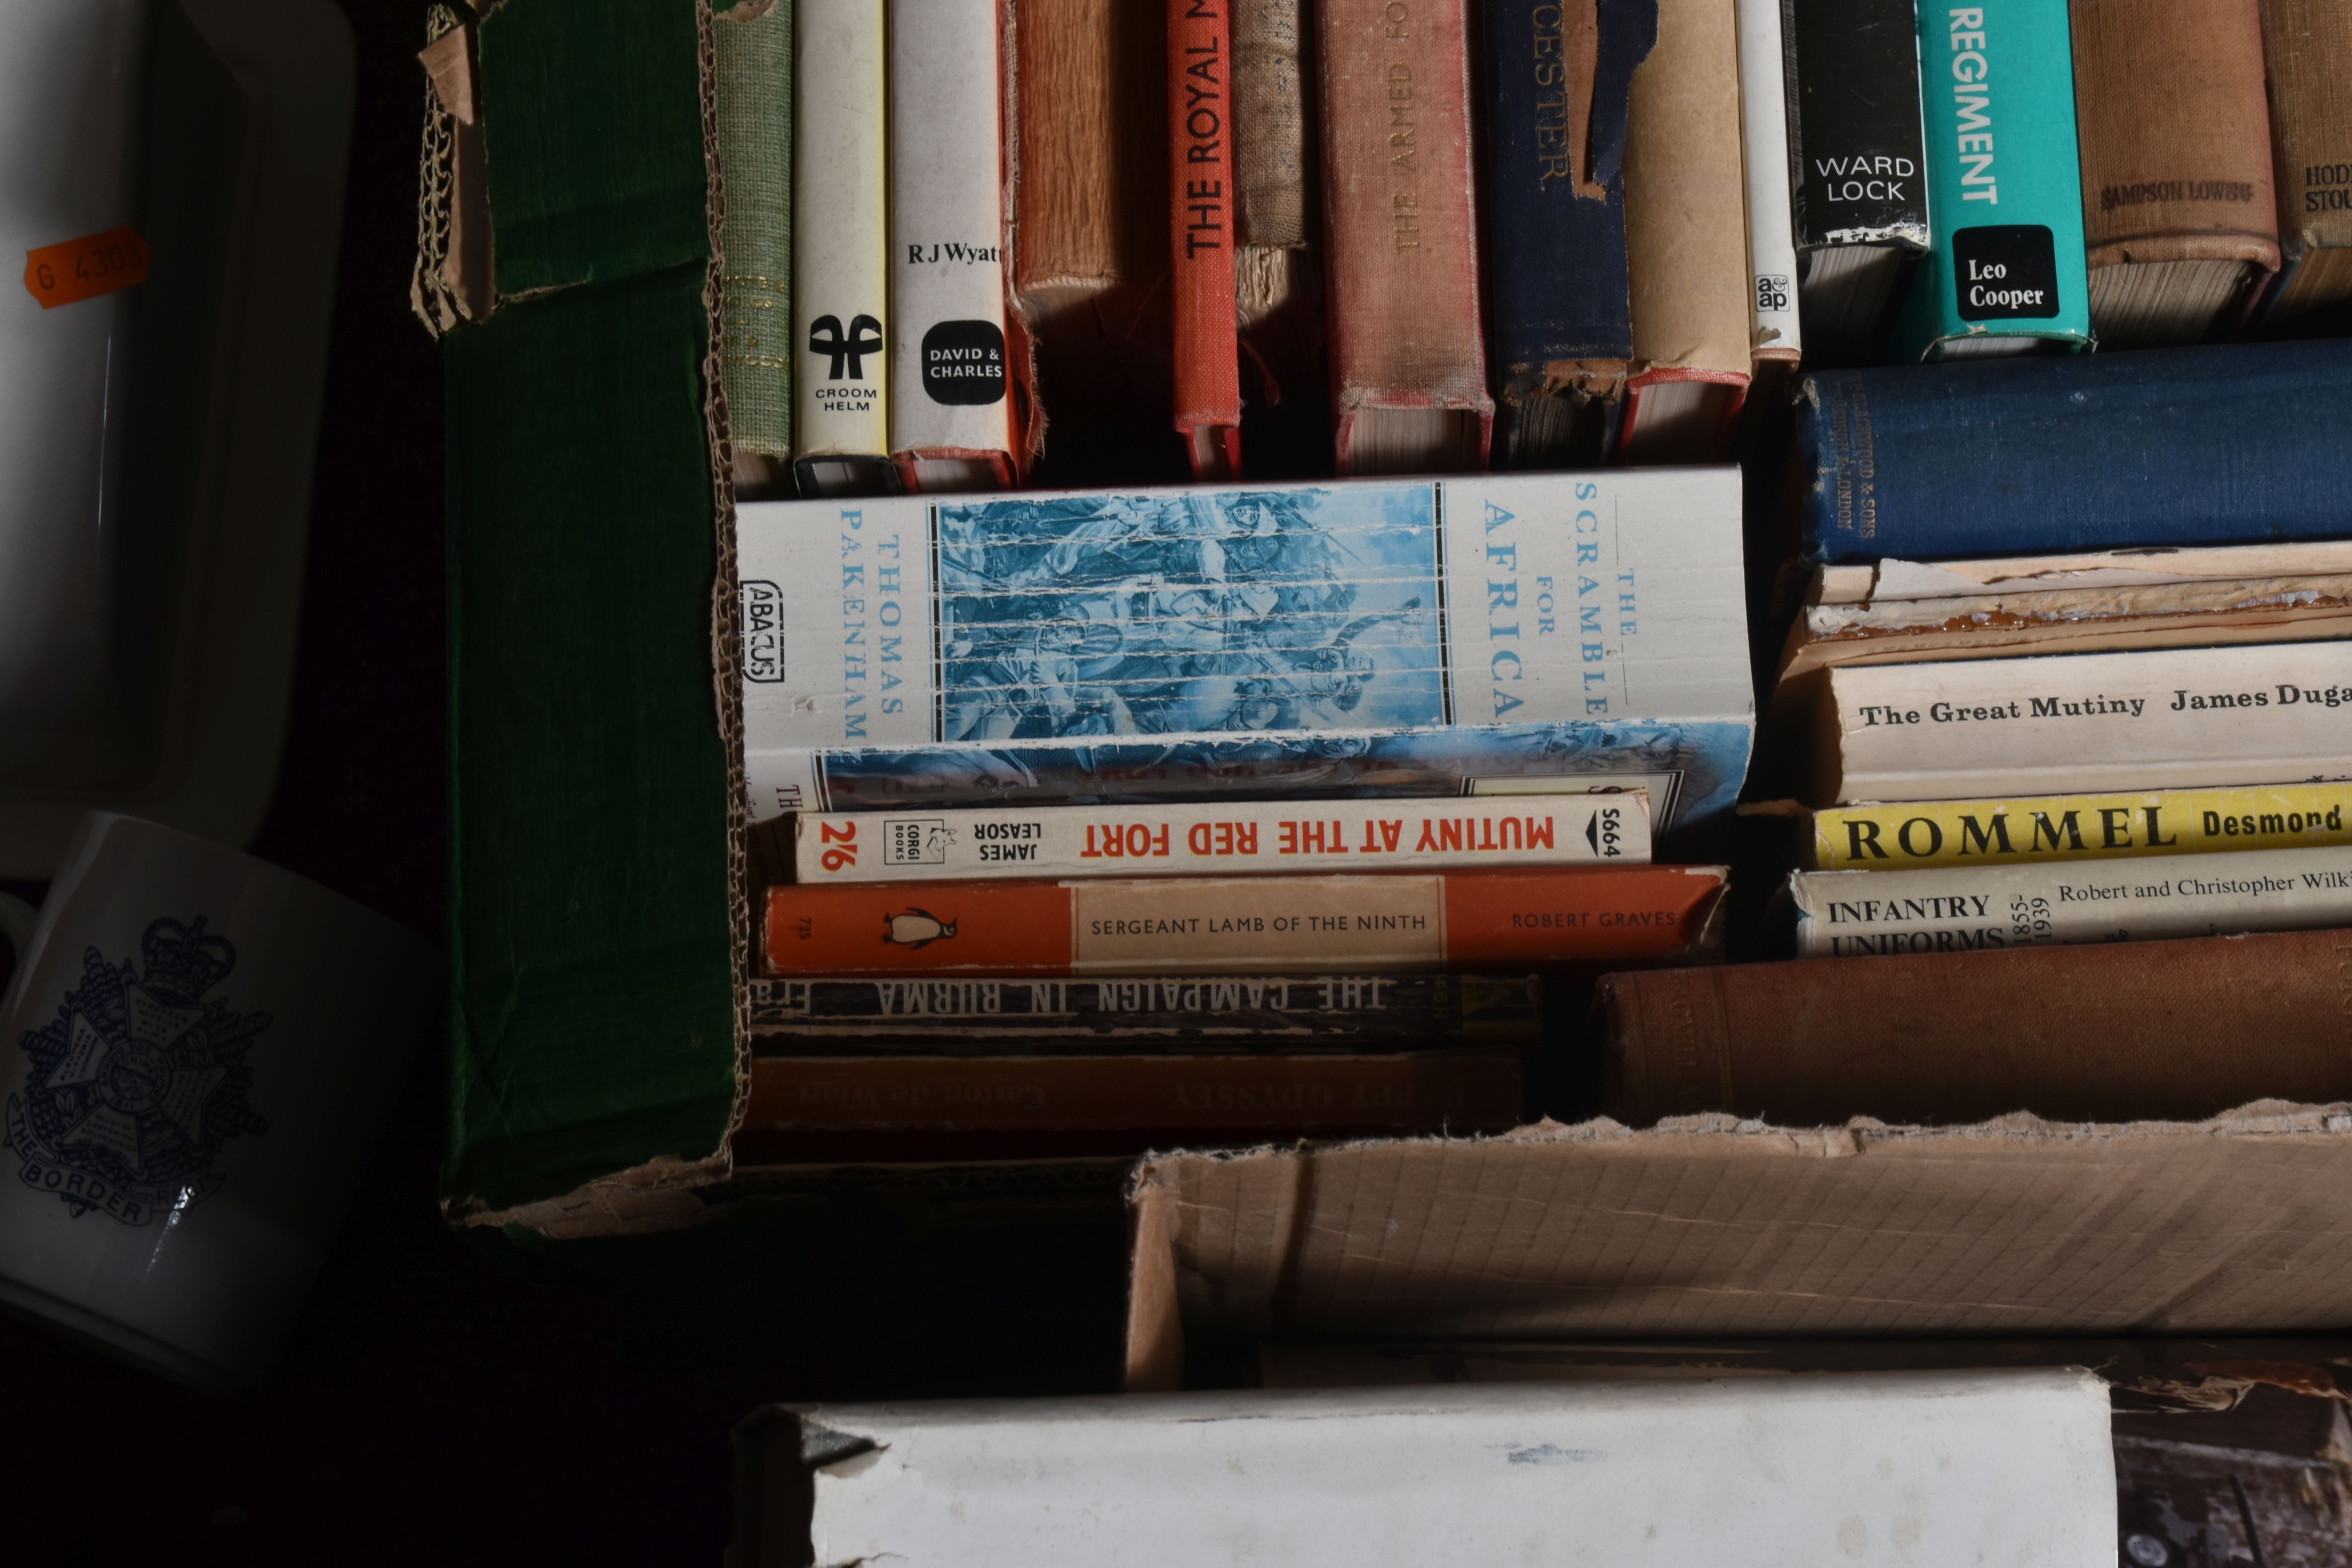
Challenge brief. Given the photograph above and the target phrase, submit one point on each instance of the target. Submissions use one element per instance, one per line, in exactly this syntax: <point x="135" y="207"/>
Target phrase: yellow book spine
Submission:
<point x="2080" y="828"/>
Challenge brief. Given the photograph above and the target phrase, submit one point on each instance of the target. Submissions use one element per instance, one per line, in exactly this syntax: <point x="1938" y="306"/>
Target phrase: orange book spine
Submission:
<point x="1201" y="236"/>
<point x="1244" y="925"/>
<point x="1327" y="1096"/>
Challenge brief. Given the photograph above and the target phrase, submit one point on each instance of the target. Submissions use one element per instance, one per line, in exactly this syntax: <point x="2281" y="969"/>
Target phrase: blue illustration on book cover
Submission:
<point x="1414" y="637"/>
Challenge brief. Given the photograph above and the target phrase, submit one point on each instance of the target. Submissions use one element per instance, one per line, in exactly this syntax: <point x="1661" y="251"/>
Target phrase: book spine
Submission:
<point x="1273" y="159"/>
<point x="2307" y="56"/>
<point x="1469" y="635"/>
<point x="1400" y="220"/>
<point x="752" y="92"/>
<point x="950" y="372"/>
<point x="1202" y="925"/>
<point x="2175" y="133"/>
<point x="1857" y="164"/>
<point x="1224" y="839"/>
<point x="2004" y="180"/>
<point x="1143" y="1013"/>
<point x="1855" y="914"/>
<point x="2108" y="1032"/>
<point x="2081" y="827"/>
<point x="2170" y="718"/>
<point x="1200" y="197"/>
<point x="1899" y="457"/>
<point x="1685" y="218"/>
<point x="1324" y="1096"/>
<point x="1558" y="82"/>
<point x="841" y="289"/>
<point x="1774" y="332"/>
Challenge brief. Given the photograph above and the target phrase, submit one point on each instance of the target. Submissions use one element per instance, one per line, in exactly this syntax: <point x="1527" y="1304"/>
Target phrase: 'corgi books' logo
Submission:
<point x="138" y="1081"/>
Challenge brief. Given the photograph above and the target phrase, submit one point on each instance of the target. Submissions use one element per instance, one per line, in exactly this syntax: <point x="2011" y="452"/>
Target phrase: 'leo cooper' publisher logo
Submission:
<point x="763" y="631"/>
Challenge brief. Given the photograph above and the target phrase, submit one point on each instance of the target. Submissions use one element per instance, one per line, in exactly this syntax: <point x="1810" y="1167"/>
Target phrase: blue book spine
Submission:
<point x="1557" y="99"/>
<point x="2004" y="272"/>
<point x="2222" y="445"/>
<point x="1479" y="635"/>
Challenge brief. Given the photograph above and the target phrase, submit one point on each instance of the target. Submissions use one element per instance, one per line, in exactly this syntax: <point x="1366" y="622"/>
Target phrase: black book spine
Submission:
<point x="1858" y="165"/>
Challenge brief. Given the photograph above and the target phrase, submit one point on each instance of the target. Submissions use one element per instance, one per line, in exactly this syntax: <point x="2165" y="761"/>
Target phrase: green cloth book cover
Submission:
<point x="2005" y="274"/>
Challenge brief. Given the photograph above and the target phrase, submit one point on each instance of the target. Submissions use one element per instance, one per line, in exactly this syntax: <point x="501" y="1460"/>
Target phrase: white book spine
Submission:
<point x="1868" y="913"/>
<point x="2172" y="719"/>
<point x="949" y="371"/>
<point x="840" y="261"/>
<point x="1771" y="236"/>
<point x="1224" y="838"/>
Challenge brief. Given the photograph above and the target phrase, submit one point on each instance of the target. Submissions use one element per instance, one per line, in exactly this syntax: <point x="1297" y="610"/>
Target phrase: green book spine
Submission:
<point x="754" y="103"/>
<point x="2005" y="273"/>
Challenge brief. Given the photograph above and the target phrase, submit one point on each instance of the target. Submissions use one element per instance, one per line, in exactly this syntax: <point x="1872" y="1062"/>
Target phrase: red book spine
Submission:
<point x="1201" y="234"/>
<point x="1175" y="925"/>
<point x="1401" y="222"/>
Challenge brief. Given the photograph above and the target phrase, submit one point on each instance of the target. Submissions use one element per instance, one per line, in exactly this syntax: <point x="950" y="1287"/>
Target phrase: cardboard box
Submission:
<point x="1708" y="1226"/>
<point x="2012" y="1466"/>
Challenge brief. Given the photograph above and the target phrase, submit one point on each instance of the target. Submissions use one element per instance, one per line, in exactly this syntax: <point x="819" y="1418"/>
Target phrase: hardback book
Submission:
<point x="841" y="289"/>
<point x="2179" y="220"/>
<point x="2165" y="719"/>
<point x="1375" y="638"/>
<point x="2005" y="272"/>
<point x="1920" y="833"/>
<point x="1278" y="220"/>
<point x="1397" y="921"/>
<point x="2110" y="1032"/>
<point x="1200" y="221"/>
<point x="1118" y="1014"/>
<point x="2011" y="624"/>
<point x="1224" y="838"/>
<point x="1776" y="337"/>
<point x="1983" y="906"/>
<point x="1090" y="240"/>
<point x="2307" y="55"/>
<point x="751" y="90"/>
<point x="951" y="374"/>
<point x="1687" y="240"/>
<point x="2105" y="452"/>
<point x="1858" y="177"/>
<point x="1400" y="229"/>
<point x="1558" y="83"/>
<point x="1180" y="1099"/>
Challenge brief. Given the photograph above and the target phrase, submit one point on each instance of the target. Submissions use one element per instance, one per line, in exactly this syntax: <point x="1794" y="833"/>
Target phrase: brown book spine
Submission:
<point x="1400" y="219"/>
<point x="2159" y="1031"/>
<point x="2307" y="52"/>
<point x="2174" y="132"/>
<point x="1200" y="237"/>
<point x="1460" y="1090"/>
<point x="1272" y="157"/>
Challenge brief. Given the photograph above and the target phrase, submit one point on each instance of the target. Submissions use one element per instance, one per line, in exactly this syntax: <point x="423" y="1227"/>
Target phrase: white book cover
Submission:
<point x="1222" y="838"/>
<point x="1969" y="908"/>
<point x="2169" y="719"/>
<point x="841" y="280"/>
<point x="1379" y="638"/>
<point x="1771" y="236"/>
<point x="1872" y="581"/>
<point x="951" y="375"/>
<point x="1957" y="1470"/>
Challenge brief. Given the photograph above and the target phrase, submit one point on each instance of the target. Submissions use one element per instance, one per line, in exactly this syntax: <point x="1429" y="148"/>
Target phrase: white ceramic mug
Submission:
<point x="197" y="1051"/>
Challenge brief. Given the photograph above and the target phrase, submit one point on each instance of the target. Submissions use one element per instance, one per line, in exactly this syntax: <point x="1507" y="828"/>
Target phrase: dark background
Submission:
<point x="448" y="1400"/>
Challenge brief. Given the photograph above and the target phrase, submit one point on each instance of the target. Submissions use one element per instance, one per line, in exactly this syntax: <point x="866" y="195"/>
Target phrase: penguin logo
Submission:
<point x="915" y="928"/>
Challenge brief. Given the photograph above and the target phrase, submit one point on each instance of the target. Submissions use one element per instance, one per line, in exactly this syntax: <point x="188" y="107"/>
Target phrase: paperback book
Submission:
<point x="2081" y="827"/>
<point x="1492" y="635"/>
<point x="1185" y="838"/>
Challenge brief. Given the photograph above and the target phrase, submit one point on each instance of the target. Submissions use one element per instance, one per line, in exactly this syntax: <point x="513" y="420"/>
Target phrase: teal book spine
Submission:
<point x="2005" y="273"/>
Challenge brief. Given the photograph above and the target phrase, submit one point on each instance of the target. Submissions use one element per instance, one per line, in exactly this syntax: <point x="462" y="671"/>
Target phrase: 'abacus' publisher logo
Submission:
<point x="2005" y="271"/>
<point x="963" y="363"/>
<point x="764" y="630"/>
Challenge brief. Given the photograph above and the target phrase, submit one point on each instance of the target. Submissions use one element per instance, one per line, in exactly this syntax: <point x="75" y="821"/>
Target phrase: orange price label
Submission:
<point x="86" y="267"/>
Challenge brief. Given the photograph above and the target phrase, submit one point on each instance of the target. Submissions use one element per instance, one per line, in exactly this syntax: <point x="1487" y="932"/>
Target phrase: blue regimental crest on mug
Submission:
<point x="135" y="1087"/>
